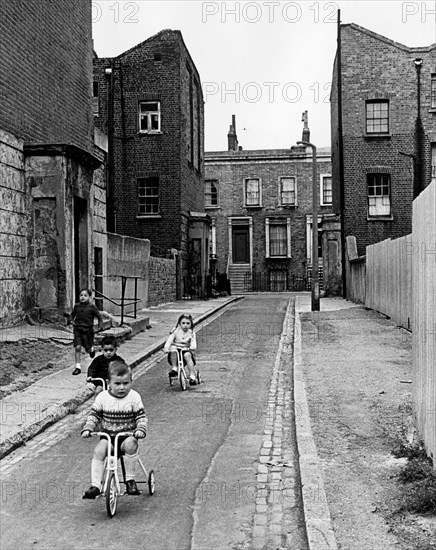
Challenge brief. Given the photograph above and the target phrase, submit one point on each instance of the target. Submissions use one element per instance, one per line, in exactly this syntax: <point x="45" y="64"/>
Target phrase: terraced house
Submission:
<point x="260" y="202"/>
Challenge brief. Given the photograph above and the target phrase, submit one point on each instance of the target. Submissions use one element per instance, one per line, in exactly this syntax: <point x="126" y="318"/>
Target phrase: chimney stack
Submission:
<point x="232" y="138"/>
<point x="306" y="131"/>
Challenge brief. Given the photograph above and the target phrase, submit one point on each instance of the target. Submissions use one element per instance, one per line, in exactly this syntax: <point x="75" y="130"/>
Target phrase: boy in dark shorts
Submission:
<point x="82" y="317"/>
<point x="117" y="409"/>
<point x="100" y="365"/>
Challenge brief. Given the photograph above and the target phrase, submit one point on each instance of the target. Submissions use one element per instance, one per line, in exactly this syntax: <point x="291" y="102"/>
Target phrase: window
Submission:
<point x="379" y="195"/>
<point x="326" y="190"/>
<point x="377" y="117"/>
<point x="433" y="91"/>
<point x="148" y="196"/>
<point x="95" y="98"/>
<point x="287" y="191"/>
<point x="149" y="117"/>
<point x="211" y="193"/>
<point x="278" y="237"/>
<point x="252" y="192"/>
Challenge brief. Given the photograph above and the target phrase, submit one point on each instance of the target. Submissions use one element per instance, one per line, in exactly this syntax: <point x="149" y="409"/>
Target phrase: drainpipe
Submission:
<point x="341" y="159"/>
<point x="111" y="214"/>
<point x="418" y="186"/>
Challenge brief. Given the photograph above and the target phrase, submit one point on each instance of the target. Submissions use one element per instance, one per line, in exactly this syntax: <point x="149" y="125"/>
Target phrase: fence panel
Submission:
<point x="389" y="279"/>
<point x="423" y="251"/>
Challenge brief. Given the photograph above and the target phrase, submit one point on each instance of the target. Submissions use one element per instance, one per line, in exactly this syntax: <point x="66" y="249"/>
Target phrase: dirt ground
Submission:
<point x="357" y="368"/>
<point x="24" y="362"/>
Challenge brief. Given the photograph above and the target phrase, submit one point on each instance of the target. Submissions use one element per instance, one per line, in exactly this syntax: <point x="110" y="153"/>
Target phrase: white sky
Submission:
<point x="264" y="61"/>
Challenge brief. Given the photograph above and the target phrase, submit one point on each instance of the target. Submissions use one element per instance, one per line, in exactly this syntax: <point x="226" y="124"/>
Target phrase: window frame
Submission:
<point x="433" y="92"/>
<point x="375" y="184"/>
<point x="321" y="190"/>
<point x="149" y="114"/>
<point x="207" y="194"/>
<point x="270" y="222"/>
<point x="96" y="98"/>
<point x="259" y="192"/>
<point x="144" y="196"/>
<point x="281" y="192"/>
<point x="376" y="120"/>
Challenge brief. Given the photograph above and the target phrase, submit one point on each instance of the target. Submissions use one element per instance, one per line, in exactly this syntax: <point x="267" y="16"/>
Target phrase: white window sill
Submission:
<point x="253" y="206"/>
<point x="155" y="133"/>
<point x="148" y="217"/>
<point x="380" y="219"/>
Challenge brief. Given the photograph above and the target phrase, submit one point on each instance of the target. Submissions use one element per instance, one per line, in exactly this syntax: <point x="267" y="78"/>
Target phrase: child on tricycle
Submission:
<point x="117" y="409"/>
<point x="183" y="338"/>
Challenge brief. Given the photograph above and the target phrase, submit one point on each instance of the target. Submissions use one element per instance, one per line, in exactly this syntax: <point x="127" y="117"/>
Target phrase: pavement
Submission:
<point x="27" y="413"/>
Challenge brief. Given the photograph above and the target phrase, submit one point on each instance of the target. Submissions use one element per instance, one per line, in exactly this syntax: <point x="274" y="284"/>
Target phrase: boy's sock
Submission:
<point x="97" y="469"/>
<point x="78" y="366"/>
<point x="130" y="462"/>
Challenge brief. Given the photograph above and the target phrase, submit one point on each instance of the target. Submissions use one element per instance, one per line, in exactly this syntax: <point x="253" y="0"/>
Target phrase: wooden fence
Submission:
<point x="400" y="282"/>
<point x="423" y="253"/>
<point x="389" y="279"/>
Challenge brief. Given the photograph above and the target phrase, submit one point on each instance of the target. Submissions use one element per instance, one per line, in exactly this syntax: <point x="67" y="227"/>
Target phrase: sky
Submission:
<point x="266" y="62"/>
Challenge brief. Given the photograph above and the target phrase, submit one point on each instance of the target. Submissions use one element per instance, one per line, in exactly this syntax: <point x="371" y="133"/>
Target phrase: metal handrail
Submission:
<point x="123" y="304"/>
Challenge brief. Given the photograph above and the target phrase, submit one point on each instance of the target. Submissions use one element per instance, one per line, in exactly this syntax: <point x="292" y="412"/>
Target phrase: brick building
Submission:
<point x="383" y="133"/>
<point x="260" y="203"/>
<point x="149" y="102"/>
<point x="47" y="156"/>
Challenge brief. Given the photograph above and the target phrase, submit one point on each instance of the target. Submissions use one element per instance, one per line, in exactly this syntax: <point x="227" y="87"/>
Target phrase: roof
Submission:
<point x="386" y="40"/>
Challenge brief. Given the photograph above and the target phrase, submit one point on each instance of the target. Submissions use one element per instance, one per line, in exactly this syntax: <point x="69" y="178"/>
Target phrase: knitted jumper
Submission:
<point x="114" y="414"/>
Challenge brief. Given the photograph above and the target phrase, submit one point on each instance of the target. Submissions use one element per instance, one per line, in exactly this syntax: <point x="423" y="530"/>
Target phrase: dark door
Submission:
<point x="80" y="245"/>
<point x="240" y="245"/>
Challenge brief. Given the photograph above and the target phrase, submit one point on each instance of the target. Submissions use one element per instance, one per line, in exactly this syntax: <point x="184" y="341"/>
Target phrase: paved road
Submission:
<point x="223" y="454"/>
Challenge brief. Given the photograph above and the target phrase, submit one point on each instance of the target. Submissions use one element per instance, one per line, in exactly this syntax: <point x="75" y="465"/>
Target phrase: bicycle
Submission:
<point x="181" y="372"/>
<point x="112" y="486"/>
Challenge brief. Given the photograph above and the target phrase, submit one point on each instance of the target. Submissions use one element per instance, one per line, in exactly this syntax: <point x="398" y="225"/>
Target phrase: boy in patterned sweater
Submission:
<point x="117" y="409"/>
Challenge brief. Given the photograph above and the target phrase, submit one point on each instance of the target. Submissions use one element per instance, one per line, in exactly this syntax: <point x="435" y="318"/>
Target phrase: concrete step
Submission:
<point x="131" y="327"/>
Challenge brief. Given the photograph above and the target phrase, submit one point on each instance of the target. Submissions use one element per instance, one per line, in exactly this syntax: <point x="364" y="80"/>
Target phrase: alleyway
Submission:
<point x="223" y="454"/>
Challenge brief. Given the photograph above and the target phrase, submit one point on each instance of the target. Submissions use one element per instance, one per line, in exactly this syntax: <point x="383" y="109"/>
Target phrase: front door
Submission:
<point x="240" y="245"/>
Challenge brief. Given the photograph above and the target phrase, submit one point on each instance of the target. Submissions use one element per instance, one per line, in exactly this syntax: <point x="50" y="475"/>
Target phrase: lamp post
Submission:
<point x="315" y="278"/>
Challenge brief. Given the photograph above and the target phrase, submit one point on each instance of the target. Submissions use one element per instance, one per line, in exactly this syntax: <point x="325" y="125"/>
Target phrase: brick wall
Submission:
<point x="14" y="219"/>
<point x="374" y="67"/>
<point x="162" y="281"/>
<point x="45" y="87"/>
<point x="156" y="70"/>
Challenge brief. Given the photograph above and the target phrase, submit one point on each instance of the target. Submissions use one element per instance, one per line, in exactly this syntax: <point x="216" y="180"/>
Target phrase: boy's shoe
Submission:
<point x="192" y="382"/>
<point x="77" y="371"/>
<point x="91" y="493"/>
<point x="92" y="353"/>
<point x="172" y="373"/>
<point x="132" y="488"/>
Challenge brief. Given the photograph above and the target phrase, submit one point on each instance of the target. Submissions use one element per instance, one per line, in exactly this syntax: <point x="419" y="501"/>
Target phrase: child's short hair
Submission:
<point x="109" y="340"/>
<point x="87" y="290"/>
<point x="186" y="316"/>
<point x="118" y="368"/>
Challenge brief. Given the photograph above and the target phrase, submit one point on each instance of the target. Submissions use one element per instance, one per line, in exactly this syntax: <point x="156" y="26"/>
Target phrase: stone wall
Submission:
<point x="14" y="220"/>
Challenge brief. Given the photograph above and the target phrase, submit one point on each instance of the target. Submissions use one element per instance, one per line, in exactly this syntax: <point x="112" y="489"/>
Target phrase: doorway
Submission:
<point x="80" y="245"/>
<point x="240" y="244"/>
